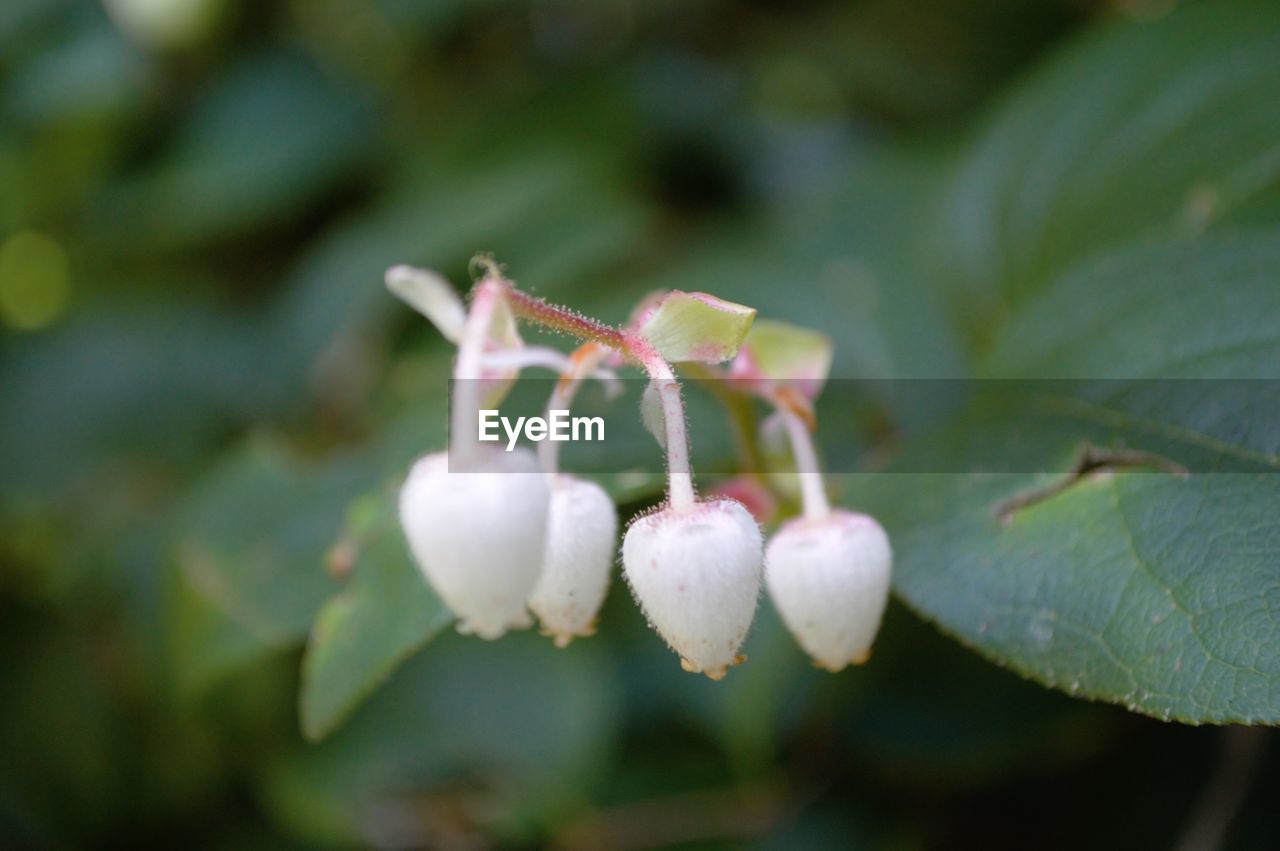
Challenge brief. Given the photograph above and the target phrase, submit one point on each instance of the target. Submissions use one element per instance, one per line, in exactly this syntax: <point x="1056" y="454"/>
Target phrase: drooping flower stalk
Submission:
<point x="680" y="492"/>
<point x="694" y="567"/>
<point x="813" y="493"/>
<point x="828" y="571"/>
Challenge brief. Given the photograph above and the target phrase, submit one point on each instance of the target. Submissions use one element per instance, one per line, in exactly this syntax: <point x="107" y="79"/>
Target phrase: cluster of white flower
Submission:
<point x="499" y="533"/>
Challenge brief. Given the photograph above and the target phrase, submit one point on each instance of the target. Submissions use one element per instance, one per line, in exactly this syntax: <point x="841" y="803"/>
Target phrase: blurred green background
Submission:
<point x="200" y="370"/>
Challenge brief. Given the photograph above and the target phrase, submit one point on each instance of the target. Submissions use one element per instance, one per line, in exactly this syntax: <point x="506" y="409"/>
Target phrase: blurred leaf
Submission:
<point x="252" y="541"/>
<point x="94" y="73"/>
<point x="206" y="644"/>
<point x="1141" y="588"/>
<point x="751" y="714"/>
<point x="851" y="264"/>
<point x="371" y="627"/>
<point x="513" y="208"/>
<point x="1169" y="309"/>
<point x="921" y="62"/>
<point x="228" y="209"/>
<point x="262" y="143"/>
<point x="20" y="19"/>
<point x="1142" y="128"/>
<point x="160" y="407"/>
<point x="505" y="731"/>
<point x="864" y="251"/>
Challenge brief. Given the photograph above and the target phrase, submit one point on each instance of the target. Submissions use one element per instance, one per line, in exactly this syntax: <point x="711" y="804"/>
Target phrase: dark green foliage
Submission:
<point x="210" y="633"/>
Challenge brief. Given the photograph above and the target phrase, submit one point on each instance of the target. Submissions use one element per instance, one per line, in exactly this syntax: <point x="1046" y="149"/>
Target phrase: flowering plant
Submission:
<point x="497" y="533"/>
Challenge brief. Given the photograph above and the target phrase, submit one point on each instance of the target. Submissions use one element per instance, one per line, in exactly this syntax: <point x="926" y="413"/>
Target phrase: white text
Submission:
<point x="557" y="426"/>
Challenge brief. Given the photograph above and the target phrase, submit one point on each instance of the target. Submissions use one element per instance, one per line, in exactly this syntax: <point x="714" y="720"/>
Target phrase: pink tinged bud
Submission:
<point x="829" y="579"/>
<point x="696" y="574"/>
<point x="753" y="495"/>
<point x="582" y="535"/>
<point x="781" y="354"/>
<point x="478" y="536"/>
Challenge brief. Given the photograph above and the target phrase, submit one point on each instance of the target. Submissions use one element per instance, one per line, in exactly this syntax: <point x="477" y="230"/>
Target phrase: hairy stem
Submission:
<point x="680" y="493"/>
<point x="812" y="491"/>
<point x="559" y="318"/>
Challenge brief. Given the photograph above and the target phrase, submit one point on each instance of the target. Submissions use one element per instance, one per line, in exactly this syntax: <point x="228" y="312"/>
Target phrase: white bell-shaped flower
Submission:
<point x="478" y="536"/>
<point x="696" y="573"/>
<point x="582" y="536"/>
<point x="829" y="579"/>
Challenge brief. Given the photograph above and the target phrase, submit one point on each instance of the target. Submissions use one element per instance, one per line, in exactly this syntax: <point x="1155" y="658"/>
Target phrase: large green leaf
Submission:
<point x="1123" y="583"/>
<point x="1174" y="309"/>
<point x="1152" y="127"/>
<point x="366" y="631"/>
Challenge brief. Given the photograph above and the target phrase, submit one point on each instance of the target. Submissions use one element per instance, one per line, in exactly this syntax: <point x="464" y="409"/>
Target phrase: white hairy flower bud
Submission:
<point x="696" y="573"/>
<point x="478" y="536"/>
<point x="582" y="534"/>
<point x="829" y="579"/>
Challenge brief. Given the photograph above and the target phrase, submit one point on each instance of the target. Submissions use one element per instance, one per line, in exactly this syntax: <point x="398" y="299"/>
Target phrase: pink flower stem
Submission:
<point x="559" y="318"/>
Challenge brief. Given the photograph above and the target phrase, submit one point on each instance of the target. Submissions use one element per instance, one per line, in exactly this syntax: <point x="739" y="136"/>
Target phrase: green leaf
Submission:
<point x="1144" y="128"/>
<point x="697" y="327"/>
<point x="865" y="252"/>
<point x="1171" y="309"/>
<point x="252" y="541"/>
<point x="366" y="631"/>
<point x="1124" y="584"/>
